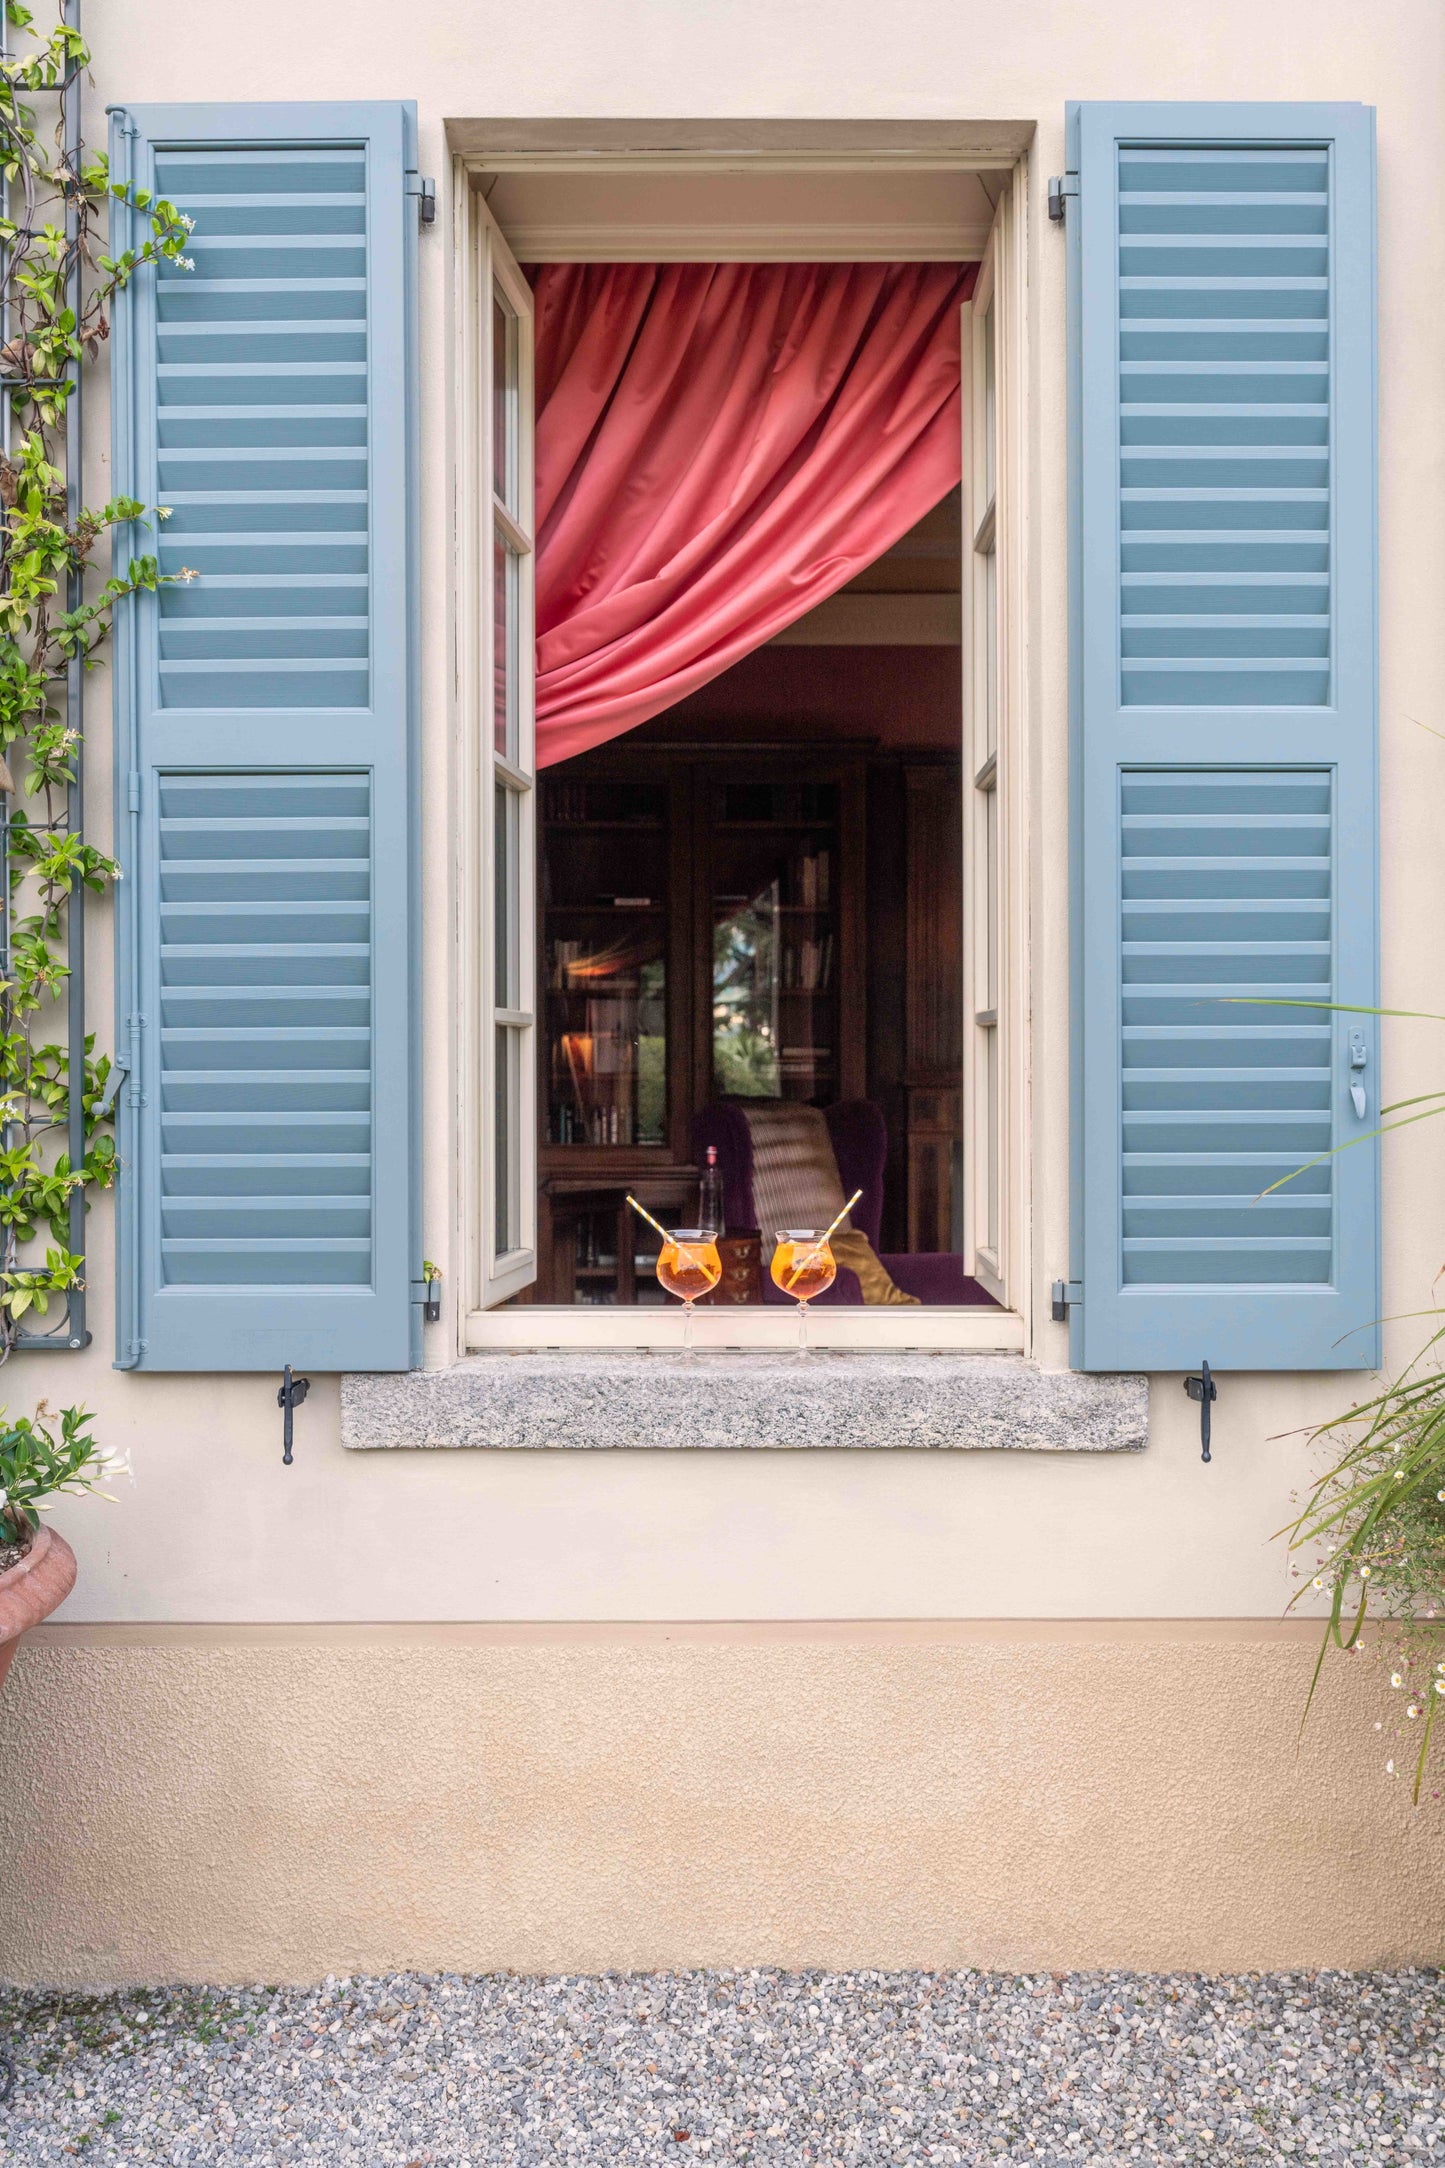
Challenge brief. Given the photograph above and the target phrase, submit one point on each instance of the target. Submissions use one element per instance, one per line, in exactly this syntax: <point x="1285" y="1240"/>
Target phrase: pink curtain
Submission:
<point x="720" y="447"/>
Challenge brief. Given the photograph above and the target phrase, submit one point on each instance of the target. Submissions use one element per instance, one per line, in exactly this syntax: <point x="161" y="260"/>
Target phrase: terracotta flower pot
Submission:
<point x="31" y="1590"/>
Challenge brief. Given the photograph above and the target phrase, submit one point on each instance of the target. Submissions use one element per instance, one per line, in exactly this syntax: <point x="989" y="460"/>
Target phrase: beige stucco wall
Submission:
<point x="293" y="1803"/>
<point x="902" y="1805"/>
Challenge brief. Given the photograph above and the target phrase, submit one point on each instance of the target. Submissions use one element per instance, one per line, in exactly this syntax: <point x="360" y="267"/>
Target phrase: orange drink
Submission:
<point x="803" y="1266"/>
<point x="689" y="1264"/>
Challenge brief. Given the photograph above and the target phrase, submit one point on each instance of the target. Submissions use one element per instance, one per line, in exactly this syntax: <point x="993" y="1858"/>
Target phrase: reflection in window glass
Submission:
<point x="506" y="597"/>
<point x="990" y="404"/>
<point x="990" y="651"/>
<point x="505" y="878"/>
<point x="991" y="1215"/>
<point x="504" y="405"/>
<point x="991" y="879"/>
<point x="746" y="1026"/>
<point x="507" y="1086"/>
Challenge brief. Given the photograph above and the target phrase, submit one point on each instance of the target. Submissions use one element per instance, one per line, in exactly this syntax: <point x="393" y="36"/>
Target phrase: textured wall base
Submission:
<point x="729" y="1401"/>
<point x="251" y="1805"/>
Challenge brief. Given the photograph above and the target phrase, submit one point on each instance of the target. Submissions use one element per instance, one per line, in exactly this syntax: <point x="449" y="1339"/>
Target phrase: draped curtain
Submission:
<point x="719" y="448"/>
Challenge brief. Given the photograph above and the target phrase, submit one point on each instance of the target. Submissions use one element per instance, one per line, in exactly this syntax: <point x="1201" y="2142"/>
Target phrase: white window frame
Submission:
<point x="488" y="1021"/>
<point x="480" y="253"/>
<point x="995" y="775"/>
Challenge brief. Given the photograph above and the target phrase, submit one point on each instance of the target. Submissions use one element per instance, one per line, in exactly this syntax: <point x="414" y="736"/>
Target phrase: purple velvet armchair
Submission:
<point x="860" y="1146"/>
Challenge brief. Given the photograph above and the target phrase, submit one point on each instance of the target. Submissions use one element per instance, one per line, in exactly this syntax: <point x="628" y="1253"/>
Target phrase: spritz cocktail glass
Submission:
<point x="688" y="1266"/>
<point x="803" y="1266"/>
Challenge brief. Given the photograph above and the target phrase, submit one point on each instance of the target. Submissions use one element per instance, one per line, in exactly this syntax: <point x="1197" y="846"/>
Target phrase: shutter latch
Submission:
<point x="1065" y="1295"/>
<point x="1061" y="187"/>
<point x="290" y="1396"/>
<point x="428" y="1291"/>
<point x="1359" y="1058"/>
<point x="1206" y="1392"/>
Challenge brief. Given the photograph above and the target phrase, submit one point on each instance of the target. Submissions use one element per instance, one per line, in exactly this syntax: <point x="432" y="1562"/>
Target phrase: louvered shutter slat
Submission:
<point x="1224" y="749"/>
<point x="264" y="398"/>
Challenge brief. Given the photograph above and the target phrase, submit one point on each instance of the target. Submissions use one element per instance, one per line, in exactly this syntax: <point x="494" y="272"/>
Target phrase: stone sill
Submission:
<point x="729" y="1402"/>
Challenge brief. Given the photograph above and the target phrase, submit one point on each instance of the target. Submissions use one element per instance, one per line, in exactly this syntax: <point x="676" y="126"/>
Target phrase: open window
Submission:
<point x="780" y="918"/>
<point x="498" y="839"/>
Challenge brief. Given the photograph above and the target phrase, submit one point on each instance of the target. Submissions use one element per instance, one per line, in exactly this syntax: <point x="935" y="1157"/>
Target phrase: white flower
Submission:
<point x="187" y="263"/>
<point x="1317" y="1582"/>
<point x="163" y="511"/>
<point x="1389" y="1768"/>
<point x="4" y="1497"/>
<point x="1395" y="1679"/>
<point x="1440" y="1686"/>
<point x="188" y="223"/>
<point x="1412" y="1710"/>
<point x="1365" y="1572"/>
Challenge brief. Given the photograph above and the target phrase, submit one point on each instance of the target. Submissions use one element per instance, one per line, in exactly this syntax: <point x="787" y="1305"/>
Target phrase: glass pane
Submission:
<point x="990" y="652"/>
<point x="605" y="970"/>
<point x="505" y="898"/>
<point x="505" y="1091"/>
<point x="991" y="1142"/>
<point x="747" y="1029"/>
<point x="990" y="820"/>
<point x="506" y="603"/>
<point x="504" y="403"/>
<point x="990" y="404"/>
<point x="775" y="938"/>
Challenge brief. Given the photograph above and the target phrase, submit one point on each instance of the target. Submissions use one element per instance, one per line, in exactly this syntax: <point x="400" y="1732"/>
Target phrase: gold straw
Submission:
<point x="645" y="1214"/>
<point x="821" y="1244"/>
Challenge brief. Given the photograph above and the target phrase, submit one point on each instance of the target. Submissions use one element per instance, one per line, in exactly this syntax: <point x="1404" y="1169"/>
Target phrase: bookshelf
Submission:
<point x="700" y="912"/>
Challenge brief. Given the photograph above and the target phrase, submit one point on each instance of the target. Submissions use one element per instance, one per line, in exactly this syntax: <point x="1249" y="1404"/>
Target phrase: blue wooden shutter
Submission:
<point x="1224" y="728"/>
<point x="266" y="723"/>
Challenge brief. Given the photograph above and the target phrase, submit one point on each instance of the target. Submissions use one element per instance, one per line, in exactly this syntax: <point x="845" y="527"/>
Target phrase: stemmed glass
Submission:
<point x="689" y="1266"/>
<point x="804" y="1266"/>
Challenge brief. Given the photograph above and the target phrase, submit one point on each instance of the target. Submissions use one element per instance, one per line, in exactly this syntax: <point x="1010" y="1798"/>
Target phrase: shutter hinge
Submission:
<point x="1066" y="1295"/>
<point x="135" y="1025"/>
<point x="132" y="791"/>
<point x="424" y="189"/>
<point x="1061" y="187"/>
<point x="119" y="1071"/>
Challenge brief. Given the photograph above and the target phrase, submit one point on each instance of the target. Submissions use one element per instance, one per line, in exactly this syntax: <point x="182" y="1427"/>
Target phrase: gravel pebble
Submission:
<point x="770" y="2068"/>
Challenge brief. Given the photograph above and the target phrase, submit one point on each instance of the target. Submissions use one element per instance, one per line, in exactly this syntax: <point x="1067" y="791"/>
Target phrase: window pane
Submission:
<point x="505" y="1090"/>
<point x="606" y="886"/>
<point x="506" y="603"/>
<point x="990" y="652"/>
<point x="506" y="886"/>
<point x="504" y="403"/>
<point x="991" y="1145"/>
<point x="990" y="404"/>
<point x="990" y="818"/>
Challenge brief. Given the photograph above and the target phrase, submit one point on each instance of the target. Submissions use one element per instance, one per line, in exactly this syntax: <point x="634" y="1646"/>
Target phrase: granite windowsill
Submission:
<point x="595" y="1401"/>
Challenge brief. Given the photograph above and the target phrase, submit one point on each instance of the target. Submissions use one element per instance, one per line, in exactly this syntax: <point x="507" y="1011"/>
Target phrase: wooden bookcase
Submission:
<point x="646" y="852"/>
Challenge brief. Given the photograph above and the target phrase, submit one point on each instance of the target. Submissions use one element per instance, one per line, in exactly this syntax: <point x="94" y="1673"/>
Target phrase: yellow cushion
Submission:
<point x="856" y="1252"/>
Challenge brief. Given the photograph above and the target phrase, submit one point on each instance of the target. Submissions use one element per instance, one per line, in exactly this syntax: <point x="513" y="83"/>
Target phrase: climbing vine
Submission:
<point x="56" y="288"/>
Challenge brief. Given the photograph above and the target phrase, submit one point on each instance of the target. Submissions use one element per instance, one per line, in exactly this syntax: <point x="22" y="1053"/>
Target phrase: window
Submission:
<point x="499" y="844"/>
<point x="705" y="915"/>
<point x="992" y="940"/>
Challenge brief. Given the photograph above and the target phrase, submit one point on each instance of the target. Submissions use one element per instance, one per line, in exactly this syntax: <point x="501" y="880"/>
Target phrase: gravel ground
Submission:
<point x="764" y="2067"/>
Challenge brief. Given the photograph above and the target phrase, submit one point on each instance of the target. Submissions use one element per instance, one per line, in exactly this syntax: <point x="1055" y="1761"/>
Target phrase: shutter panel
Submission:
<point x="1224" y="727"/>
<point x="266" y="719"/>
